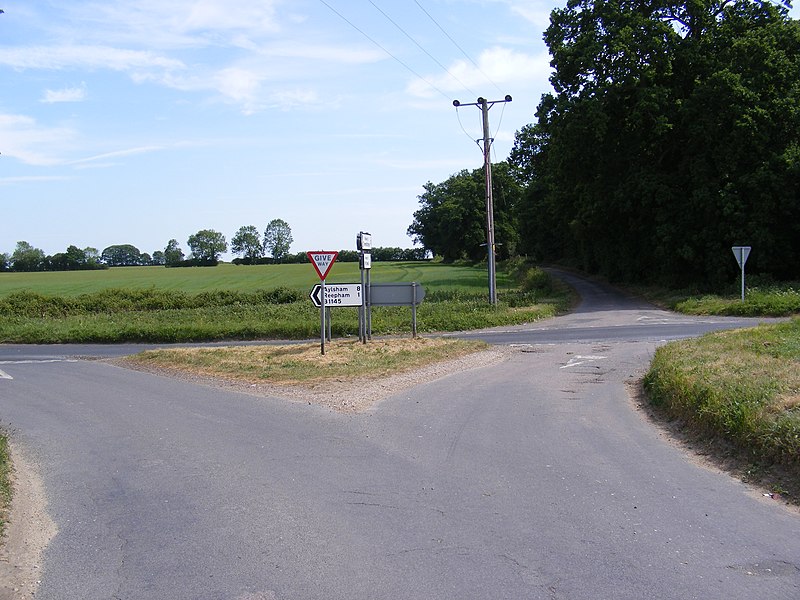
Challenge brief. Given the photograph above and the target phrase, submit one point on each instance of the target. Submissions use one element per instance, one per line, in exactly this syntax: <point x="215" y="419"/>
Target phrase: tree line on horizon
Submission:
<point x="205" y="248"/>
<point x="671" y="135"/>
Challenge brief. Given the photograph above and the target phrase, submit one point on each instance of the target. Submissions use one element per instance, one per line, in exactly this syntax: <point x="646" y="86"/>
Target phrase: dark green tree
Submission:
<point x="173" y="253"/>
<point x="277" y="239"/>
<point x="27" y="258"/>
<point x="451" y="221"/>
<point x="671" y="136"/>
<point x="247" y="243"/>
<point x="207" y="245"/>
<point x="121" y="255"/>
<point x="158" y="258"/>
<point x="92" y="257"/>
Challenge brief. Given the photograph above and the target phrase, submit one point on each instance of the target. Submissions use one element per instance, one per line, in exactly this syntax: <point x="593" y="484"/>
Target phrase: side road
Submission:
<point x="533" y="477"/>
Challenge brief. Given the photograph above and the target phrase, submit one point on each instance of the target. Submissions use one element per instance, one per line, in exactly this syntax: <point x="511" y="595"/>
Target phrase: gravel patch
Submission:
<point x="352" y="395"/>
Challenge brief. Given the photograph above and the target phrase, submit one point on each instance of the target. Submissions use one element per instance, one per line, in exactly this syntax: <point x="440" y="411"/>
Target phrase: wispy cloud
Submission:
<point x="180" y="23"/>
<point x="534" y="11"/>
<point x="74" y="94"/>
<point x="89" y="57"/>
<point x="117" y="154"/>
<point x="500" y="65"/>
<point x="24" y="139"/>
<point x="31" y="179"/>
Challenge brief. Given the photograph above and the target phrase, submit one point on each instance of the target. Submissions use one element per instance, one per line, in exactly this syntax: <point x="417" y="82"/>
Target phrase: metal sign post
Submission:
<point x="364" y="245"/>
<point x="399" y="294"/>
<point x="741" y="253"/>
<point x="322" y="321"/>
<point x="322" y="262"/>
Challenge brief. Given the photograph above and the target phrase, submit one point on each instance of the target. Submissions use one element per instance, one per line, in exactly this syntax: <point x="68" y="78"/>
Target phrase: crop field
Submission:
<point x="229" y="302"/>
<point x="245" y="278"/>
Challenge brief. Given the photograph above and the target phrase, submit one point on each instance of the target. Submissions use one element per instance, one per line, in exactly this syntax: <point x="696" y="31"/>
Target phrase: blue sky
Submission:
<point x="135" y="122"/>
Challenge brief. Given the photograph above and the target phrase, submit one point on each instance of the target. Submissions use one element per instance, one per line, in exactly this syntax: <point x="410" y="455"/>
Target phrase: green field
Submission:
<point x="245" y="278"/>
<point x="229" y="302"/>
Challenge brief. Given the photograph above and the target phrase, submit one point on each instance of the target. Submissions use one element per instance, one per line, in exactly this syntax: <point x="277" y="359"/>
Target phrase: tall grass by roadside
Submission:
<point x="775" y="301"/>
<point x="741" y="387"/>
<point x="767" y="299"/>
<point x="165" y="315"/>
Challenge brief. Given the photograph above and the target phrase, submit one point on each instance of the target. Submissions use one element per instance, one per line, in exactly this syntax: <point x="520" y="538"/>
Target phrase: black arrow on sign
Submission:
<point x="316" y="296"/>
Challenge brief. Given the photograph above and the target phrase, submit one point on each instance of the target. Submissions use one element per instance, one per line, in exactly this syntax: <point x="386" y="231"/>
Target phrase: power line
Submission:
<point x="464" y="52"/>
<point x="409" y="69"/>
<point x="418" y="45"/>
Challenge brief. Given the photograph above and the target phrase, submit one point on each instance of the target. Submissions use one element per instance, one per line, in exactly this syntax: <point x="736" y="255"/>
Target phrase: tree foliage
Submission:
<point x="671" y="136"/>
<point x="277" y="239"/>
<point x="75" y="259"/>
<point x="451" y="221"/>
<point x="207" y="245"/>
<point x="121" y="255"/>
<point x="27" y="258"/>
<point x="173" y="253"/>
<point x="247" y="243"/>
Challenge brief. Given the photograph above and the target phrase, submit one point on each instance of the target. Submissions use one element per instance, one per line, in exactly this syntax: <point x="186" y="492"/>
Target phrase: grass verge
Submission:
<point x="302" y="364"/>
<point x="772" y="300"/>
<point x="739" y="392"/>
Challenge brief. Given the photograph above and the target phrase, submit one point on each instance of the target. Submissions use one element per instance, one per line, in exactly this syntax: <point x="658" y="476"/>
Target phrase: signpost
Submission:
<point x="337" y="294"/>
<point x="364" y="246"/>
<point x="741" y="253"/>
<point x="398" y="294"/>
<point x="322" y="261"/>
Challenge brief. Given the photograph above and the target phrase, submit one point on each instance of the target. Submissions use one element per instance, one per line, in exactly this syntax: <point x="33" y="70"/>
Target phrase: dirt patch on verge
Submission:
<point x="348" y="395"/>
<point x="28" y="532"/>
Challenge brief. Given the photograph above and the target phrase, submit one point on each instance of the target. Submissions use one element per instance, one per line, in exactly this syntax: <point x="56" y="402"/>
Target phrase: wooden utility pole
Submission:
<point x="485" y="105"/>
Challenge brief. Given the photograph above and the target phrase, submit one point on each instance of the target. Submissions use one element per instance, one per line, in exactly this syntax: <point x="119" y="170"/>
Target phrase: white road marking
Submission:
<point x="33" y="362"/>
<point x="579" y="360"/>
<point x="4" y="375"/>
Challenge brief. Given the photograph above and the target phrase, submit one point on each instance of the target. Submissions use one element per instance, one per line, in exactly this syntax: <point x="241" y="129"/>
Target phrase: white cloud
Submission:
<point x="119" y="153"/>
<point x="31" y="143"/>
<point x="500" y="65"/>
<point x="535" y="11"/>
<point x="179" y="23"/>
<point x="89" y="57"/>
<point x="30" y="179"/>
<point x="75" y="94"/>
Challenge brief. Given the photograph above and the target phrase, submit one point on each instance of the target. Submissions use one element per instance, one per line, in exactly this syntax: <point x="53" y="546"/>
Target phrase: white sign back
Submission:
<point x="741" y="253"/>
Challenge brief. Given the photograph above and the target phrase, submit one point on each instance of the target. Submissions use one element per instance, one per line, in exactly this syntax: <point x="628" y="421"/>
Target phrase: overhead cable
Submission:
<point x="409" y="69"/>
<point x="468" y="57"/>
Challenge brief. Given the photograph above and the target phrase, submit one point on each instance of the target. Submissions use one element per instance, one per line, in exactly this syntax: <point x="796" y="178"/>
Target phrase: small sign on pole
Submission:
<point x="322" y="261"/>
<point x="338" y="294"/>
<point x="741" y="253"/>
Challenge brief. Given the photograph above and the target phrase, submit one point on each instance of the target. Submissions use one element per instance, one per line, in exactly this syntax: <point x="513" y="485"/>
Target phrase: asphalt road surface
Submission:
<point x="535" y="478"/>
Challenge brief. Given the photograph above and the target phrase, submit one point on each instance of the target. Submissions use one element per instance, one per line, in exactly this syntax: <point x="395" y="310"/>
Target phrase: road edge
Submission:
<point x="29" y="530"/>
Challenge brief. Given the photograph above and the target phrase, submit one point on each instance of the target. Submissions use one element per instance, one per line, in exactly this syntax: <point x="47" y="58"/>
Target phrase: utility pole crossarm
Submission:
<point x="485" y="105"/>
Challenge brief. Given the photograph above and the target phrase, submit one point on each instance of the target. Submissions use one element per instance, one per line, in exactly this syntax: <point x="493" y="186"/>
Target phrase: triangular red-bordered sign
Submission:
<point x="322" y="261"/>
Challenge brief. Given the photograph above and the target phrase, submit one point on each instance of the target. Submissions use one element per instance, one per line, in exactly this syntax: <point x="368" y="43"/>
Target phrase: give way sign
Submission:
<point x="322" y="261"/>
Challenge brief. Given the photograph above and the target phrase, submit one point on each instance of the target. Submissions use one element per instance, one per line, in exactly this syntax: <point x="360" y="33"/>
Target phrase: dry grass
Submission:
<point x="293" y="364"/>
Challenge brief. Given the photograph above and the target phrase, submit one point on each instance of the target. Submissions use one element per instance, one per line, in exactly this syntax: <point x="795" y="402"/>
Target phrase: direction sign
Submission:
<point x="322" y="261"/>
<point x="396" y="294"/>
<point x="337" y="294"/>
<point x="741" y="253"/>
